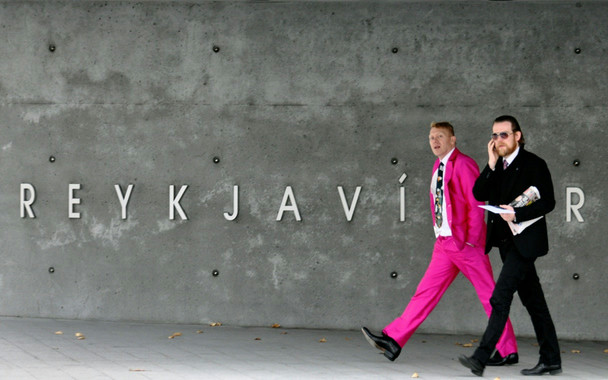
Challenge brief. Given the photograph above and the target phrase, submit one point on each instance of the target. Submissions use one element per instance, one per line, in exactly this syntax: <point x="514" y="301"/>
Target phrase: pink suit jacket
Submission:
<point x="464" y="216"/>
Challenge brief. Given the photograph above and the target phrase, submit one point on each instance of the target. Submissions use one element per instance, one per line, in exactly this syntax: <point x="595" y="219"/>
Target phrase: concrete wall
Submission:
<point x="310" y="95"/>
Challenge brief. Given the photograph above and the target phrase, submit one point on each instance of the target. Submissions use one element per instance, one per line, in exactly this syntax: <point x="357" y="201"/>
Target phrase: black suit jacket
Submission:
<point x="503" y="186"/>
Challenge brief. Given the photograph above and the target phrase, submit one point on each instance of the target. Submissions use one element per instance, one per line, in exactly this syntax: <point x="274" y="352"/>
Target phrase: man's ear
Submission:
<point x="517" y="136"/>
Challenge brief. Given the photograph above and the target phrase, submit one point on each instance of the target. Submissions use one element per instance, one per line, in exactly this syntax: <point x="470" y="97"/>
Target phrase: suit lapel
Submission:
<point x="449" y="168"/>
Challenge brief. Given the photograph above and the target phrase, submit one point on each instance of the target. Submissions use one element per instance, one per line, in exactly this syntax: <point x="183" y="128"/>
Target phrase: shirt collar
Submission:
<point x="512" y="156"/>
<point x="445" y="159"/>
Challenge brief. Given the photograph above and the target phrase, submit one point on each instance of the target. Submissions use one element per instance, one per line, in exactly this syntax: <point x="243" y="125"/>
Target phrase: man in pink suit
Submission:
<point x="460" y="247"/>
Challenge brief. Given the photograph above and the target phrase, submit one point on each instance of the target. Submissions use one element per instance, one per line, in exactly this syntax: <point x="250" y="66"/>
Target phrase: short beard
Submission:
<point x="507" y="152"/>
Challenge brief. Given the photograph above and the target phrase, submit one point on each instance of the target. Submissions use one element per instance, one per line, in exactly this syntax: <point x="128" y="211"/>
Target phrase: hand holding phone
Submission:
<point x="492" y="154"/>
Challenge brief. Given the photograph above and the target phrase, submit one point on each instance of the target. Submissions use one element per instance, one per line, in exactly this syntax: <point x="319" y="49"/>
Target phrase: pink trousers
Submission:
<point x="446" y="263"/>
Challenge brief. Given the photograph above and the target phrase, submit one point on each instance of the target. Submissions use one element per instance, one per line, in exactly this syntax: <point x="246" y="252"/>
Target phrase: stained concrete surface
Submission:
<point x="306" y="95"/>
<point x="31" y="349"/>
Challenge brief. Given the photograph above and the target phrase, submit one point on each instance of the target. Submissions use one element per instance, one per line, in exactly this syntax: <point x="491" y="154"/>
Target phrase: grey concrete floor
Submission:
<point x="33" y="349"/>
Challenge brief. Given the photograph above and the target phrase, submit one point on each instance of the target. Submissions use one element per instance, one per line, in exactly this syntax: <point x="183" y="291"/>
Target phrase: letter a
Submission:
<point x="294" y="207"/>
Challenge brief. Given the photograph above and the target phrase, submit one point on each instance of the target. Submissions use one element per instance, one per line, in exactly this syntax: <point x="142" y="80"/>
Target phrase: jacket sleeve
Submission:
<point x="541" y="178"/>
<point x="484" y="185"/>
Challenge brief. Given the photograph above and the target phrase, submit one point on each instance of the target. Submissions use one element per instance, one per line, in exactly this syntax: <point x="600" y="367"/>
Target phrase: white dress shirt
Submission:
<point x="445" y="229"/>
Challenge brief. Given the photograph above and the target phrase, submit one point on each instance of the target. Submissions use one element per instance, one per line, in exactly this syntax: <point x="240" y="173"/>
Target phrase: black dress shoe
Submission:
<point x="498" y="360"/>
<point x="541" y="369"/>
<point x="473" y="364"/>
<point x="384" y="343"/>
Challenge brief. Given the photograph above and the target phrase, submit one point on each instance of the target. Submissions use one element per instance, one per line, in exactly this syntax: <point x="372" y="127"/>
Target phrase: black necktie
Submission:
<point x="439" y="196"/>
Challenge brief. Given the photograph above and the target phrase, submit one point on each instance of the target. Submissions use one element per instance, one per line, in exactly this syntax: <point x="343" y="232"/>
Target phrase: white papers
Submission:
<point x="497" y="210"/>
<point x="528" y="197"/>
<point x="517" y="228"/>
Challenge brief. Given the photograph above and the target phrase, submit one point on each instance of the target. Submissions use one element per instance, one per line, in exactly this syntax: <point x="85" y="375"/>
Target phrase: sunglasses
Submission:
<point x="502" y="135"/>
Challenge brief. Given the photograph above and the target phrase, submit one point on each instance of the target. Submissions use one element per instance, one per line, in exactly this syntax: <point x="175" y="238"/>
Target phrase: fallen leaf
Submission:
<point x="215" y="324"/>
<point x="458" y="344"/>
<point x="136" y="370"/>
<point x="199" y="331"/>
<point x="467" y="345"/>
<point x="497" y="378"/>
<point x="81" y="338"/>
<point x="284" y="333"/>
<point x="258" y="338"/>
<point x="474" y="340"/>
<point x="322" y="340"/>
<point x="78" y="335"/>
<point x="347" y="338"/>
<point x="175" y="334"/>
<point x="276" y="326"/>
<point x="58" y="332"/>
<point x="535" y="344"/>
<point x="415" y="375"/>
<point x="606" y="351"/>
<point x="576" y="351"/>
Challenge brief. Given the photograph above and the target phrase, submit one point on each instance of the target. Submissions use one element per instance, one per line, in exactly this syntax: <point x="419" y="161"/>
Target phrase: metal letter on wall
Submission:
<point x="235" y="204"/>
<point x="402" y="198"/>
<point x="73" y="201"/>
<point x="349" y="211"/>
<point x="26" y="204"/>
<point x="573" y="208"/>
<point x="288" y="195"/>
<point x="174" y="202"/>
<point x="123" y="199"/>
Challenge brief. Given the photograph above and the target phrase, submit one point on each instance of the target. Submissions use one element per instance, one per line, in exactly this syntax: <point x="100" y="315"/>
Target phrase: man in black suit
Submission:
<point x="510" y="171"/>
